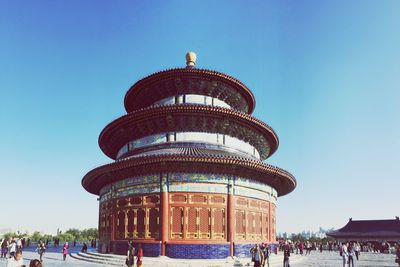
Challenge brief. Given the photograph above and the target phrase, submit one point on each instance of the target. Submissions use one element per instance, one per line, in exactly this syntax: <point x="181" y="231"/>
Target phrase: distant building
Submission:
<point x="368" y="230"/>
<point x="188" y="180"/>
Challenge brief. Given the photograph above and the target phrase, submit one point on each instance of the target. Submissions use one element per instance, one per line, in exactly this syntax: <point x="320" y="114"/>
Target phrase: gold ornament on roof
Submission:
<point x="191" y="59"/>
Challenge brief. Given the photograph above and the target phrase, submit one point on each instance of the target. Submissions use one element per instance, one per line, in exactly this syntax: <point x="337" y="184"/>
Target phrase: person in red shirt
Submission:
<point x="139" y="256"/>
<point x="65" y="250"/>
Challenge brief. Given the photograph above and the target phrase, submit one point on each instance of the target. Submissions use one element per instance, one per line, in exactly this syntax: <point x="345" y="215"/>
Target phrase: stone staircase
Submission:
<point x="118" y="260"/>
<point x="105" y="259"/>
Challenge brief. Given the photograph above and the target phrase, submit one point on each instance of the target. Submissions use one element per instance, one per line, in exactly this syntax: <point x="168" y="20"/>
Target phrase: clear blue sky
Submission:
<point x="326" y="76"/>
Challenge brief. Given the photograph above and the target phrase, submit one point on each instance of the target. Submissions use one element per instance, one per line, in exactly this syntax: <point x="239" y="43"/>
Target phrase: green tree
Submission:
<point x="89" y="234"/>
<point x="36" y="236"/>
<point x="76" y="233"/>
<point x="66" y="237"/>
<point x="8" y="235"/>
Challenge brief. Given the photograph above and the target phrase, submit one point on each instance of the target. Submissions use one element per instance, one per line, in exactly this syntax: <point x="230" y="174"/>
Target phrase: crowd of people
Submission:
<point x="13" y="254"/>
<point x="11" y="250"/>
<point x="349" y="251"/>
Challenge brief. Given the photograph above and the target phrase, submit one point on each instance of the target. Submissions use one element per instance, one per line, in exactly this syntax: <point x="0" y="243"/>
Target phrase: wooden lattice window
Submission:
<point x="257" y="223"/>
<point x="240" y="225"/>
<point x="204" y="226"/>
<point x="121" y="224"/>
<point x="191" y="219"/>
<point x="153" y="222"/>
<point x="218" y="223"/>
<point x="131" y="221"/>
<point x="141" y="220"/>
<point x="250" y="223"/>
<point x="265" y="226"/>
<point x="176" y="222"/>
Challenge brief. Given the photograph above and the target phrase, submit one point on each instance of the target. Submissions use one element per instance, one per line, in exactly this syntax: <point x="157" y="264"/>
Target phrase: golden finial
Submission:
<point x="190" y="59"/>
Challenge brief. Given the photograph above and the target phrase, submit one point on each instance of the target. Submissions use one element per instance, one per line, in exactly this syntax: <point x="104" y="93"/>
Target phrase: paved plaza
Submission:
<point x="316" y="259"/>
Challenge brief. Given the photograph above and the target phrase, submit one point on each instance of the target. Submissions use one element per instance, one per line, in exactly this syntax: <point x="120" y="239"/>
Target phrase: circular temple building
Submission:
<point x="188" y="180"/>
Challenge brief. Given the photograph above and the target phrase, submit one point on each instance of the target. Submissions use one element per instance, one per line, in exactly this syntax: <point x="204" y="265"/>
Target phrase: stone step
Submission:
<point x="96" y="260"/>
<point x="111" y="256"/>
<point x="119" y="260"/>
<point x="102" y="257"/>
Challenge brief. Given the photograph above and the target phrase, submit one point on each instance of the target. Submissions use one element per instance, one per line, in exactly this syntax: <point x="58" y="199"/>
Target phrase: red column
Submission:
<point x="270" y="222"/>
<point x="99" y="222"/>
<point x="112" y="237"/>
<point x="164" y="212"/>
<point x="231" y="216"/>
<point x="113" y="227"/>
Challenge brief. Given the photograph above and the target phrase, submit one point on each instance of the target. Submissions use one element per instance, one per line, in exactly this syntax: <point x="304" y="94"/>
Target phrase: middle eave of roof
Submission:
<point x="137" y="124"/>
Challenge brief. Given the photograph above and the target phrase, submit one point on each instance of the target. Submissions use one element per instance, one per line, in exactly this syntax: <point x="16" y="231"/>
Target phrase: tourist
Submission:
<point x="139" y="256"/>
<point x="4" y="248"/>
<point x="84" y="247"/>
<point x="16" y="260"/>
<point x="65" y="250"/>
<point x="265" y="251"/>
<point x="398" y="254"/>
<point x="286" y="255"/>
<point x="350" y="252"/>
<point x="256" y="255"/>
<point x="19" y="244"/>
<point x="12" y="248"/>
<point x="301" y="247"/>
<point x="130" y="257"/>
<point x="344" y="254"/>
<point x="308" y="247"/>
<point x="41" y="248"/>
<point x="357" y="249"/>
<point x="35" y="263"/>
<point x="93" y="243"/>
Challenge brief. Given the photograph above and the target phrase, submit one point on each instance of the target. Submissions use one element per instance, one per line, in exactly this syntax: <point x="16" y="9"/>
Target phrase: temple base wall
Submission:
<point x="182" y="224"/>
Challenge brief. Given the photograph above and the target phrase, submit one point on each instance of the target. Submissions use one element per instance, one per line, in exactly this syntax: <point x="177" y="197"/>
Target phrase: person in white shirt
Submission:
<point x="345" y="255"/>
<point x="16" y="261"/>
<point x="12" y="248"/>
<point x="19" y="244"/>
<point x="357" y="249"/>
